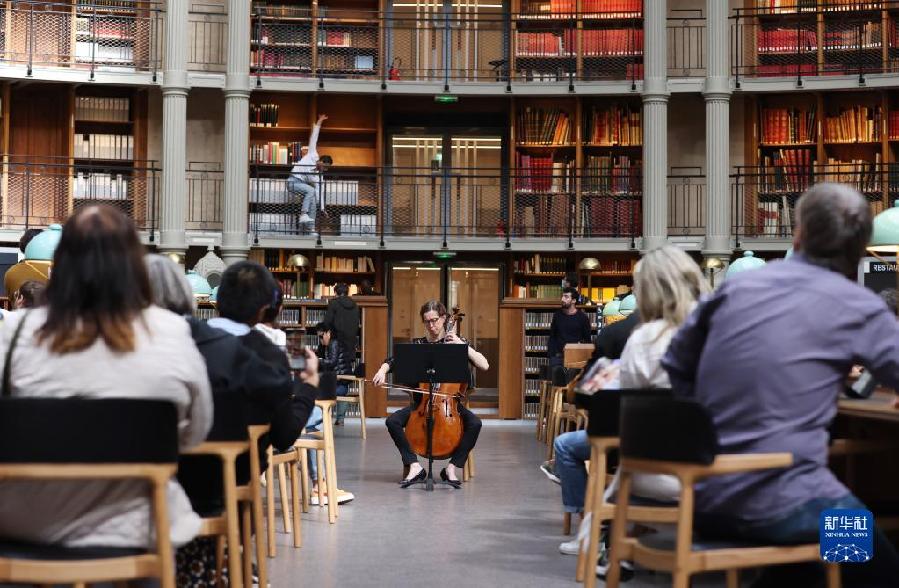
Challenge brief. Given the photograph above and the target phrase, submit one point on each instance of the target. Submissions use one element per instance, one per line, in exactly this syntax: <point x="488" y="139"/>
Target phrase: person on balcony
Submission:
<point x="305" y="178"/>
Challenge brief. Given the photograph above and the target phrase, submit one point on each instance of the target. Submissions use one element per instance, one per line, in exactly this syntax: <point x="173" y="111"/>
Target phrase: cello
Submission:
<point x="447" y="431"/>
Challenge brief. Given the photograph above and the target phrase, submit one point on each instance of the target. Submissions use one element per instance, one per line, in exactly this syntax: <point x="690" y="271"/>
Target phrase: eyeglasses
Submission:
<point x="432" y="321"/>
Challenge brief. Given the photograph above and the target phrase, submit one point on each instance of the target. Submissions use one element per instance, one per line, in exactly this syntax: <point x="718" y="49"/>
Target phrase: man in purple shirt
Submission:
<point x="767" y="354"/>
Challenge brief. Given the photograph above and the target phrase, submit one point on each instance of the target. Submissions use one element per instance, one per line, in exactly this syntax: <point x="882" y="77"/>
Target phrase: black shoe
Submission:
<point x="445" y="478"/>
<point x="417" y="478"/>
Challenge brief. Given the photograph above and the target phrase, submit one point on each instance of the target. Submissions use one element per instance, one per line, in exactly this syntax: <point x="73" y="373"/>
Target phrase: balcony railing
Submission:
<point x="38" y="193"/>
<point x="686" y="45"/>
<point x="800" y="41"/>
<point x="686" y="202"/>
<point x="764" y="199"/>
<point x="207" y="40"/>
<point x="205" y="196"/>
<point x="95" y="38"/>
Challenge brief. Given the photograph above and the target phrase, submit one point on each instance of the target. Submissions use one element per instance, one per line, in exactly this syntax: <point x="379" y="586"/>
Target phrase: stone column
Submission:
<point x="174" y="130"/>
<point x="235" y="238"/>
<point x="717" y="134"/>
<point x="655" y="125"/>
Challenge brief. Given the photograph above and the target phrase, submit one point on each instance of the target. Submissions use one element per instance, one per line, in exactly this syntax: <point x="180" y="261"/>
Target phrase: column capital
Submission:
<point x="172" y="241"/>
<point x="718" y="246"/>
<point x="655" y="86"/>
<point x="175" y="78"/>
<point x="235" y="246"/>
<point x="237" y="83"/>
<point x="173" y="91"/>
<point x="717" y="88"/>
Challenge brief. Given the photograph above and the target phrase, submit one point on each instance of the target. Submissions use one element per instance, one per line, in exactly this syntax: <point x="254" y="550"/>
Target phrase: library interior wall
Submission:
<point x="205" y="126"/>
<point x="154" y="126"/>
<point x="686" y="132"/>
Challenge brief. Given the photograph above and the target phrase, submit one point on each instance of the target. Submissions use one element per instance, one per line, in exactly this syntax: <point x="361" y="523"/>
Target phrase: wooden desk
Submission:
<point x="878" y="407"/>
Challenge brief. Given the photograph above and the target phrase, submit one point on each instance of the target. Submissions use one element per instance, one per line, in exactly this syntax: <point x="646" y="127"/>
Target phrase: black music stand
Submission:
<point x="416" y="363"/>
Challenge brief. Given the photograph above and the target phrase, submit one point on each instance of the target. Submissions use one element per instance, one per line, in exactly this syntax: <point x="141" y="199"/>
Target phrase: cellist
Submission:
<point x="433" y="316"/>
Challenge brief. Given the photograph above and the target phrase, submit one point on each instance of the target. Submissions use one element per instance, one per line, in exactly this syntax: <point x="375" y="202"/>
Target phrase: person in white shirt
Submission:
<point x="306" y="176"/>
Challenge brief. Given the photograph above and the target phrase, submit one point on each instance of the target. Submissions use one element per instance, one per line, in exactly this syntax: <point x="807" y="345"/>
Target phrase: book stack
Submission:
<point x="609" y="175"/>
<point x="543" y="175"/>
<point x="543" y="126"/>
<point x="100" y="186"/>
<point x="787" y="69"/>
<point x="893" y="125"/>
<point x="331" y="263"/>
<point x="854" y="125"/>
<point x="626" y="42"/>
<point x="326" y="290"/>
<point x="281" y="10"/>
<point x="785" y="6"/>
<point x="328" y="38"/>
<point x="613" y="126"/>
<point x="263" y="115"/>
<point x="314" y="316"/>
<point x="612" y="8"/>
<point x="268" y="59"/>
<point x="787" y="40"/>
<point x="851" y="5"/>
<point x="540" y="264"/>
<point x="539" y="342"/>
<point x="269" y="190"/>
<point x="104" y="29"/>
<point x="545" y="44"/>
<point x="868" y="35"/>
<point x="786" y="171"/>
<point x="289" y="316"/>
<point x="275" y="153"/>
<point x="537" y="320"/>
<point x="862" y="175"/>
<point x="102" y="109"/>
<point x="533" y="365"/>
<point x="205" y="313"/>
<point x="104" y="146"/>
<point x="788" y="125"/>
<point x="99" y="51"/>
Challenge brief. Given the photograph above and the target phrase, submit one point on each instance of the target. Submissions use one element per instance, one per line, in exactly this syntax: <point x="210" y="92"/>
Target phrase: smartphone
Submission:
<point x="298" y="361"/>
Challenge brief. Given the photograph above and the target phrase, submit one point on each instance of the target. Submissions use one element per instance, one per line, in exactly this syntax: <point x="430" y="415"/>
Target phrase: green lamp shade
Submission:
<point x="44" y="244"/>
<point x="748" y="262"/>
<point x="628" y="305"/>
<point x="611" y="307"/>
<point x="885" y="236"/>
<point x="198" y="284"/>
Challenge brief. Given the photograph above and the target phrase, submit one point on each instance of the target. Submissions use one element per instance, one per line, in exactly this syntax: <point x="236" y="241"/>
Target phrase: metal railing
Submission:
<point x="205" y="196"/>
<point x="686" y="44"/>
<point x="801" y="41"/>
<point x="39" y="193"/>
<point x="92" y="37"/>
<point x="764" y="199"/>
<point x="686" y="201"/>
<point x="456" y="202"/>
<point x="207" y="37"/>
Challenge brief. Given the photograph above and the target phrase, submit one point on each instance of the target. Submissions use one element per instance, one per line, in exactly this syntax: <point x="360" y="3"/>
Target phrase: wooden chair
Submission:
<point x="323" y="443"/>
<point x="69" y="439"/>
<point x="677" y="437"/>
<point x="250" y="497"/>
<point x="357" y="384"/>
<point x="286" y="465"/>
<point x="543" y="410"/>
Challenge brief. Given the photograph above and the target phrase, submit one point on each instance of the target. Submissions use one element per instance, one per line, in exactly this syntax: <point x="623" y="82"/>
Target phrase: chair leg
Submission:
<point x="566" y="524"/>
<point x="591" y="506"/>
<point x="680" y="580"/>
<point x="285" y="500"/>
<point x="362" y="408"/>
<point x="733" y="578"/>
<point x="259" y="529"/>
<point x="247" y="541"/>
<point x="331" y="466"/>
<point x="232" y="528"/>
<point x="320" y="459"/>
<point x="220" y="561"/>
<point x="833" y="575"/>
<point x="270" y="505"/>
<point x="295" y="504"/>
<point x="304" y="479"/>
<point x="619" y="529"/>
<point x="471" y="466"/>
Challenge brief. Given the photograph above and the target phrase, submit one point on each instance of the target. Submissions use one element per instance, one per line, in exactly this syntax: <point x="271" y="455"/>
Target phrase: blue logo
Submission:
<point x="846" y="535"/>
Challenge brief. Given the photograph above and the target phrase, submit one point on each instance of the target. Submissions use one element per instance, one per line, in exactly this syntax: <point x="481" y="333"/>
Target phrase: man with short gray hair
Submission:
<point x="767" y="354"/>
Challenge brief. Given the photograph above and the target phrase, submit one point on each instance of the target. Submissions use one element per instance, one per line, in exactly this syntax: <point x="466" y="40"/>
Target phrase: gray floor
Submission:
<point x="501" y="529"/>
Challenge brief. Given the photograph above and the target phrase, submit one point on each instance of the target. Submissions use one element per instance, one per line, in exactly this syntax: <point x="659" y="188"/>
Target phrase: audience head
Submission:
<point x="246" y="291"/>
<point x="27" y="236"/>
<point x="170" y="287"/>
<point x="569" y="297"/>
<point x="99" y="283"/>
<point x="891" y="297"/>
<point x="270" y="316"/>
<point x="30" y="294"/>
<point x="341" y="289"/>
<point x="667" y="282"/>
<point x="365" y="287"/>
<point x="325" y="332"/>
<point x="833" y="226"/>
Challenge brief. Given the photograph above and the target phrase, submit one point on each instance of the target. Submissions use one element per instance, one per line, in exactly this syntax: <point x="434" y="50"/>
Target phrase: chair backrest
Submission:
<point x="666" y="429"/>
<point x="87" y="430"/>
<point x="327" y="386"/>
<point x="604" y="408"/>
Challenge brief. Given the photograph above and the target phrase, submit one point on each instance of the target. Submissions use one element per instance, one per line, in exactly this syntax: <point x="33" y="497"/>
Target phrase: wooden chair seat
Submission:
<point x="356" y="384"/>
<point x="323" y="443"/>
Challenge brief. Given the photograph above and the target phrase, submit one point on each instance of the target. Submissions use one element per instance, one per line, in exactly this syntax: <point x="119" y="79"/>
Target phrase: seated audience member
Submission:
<point x="268" y="326"/>
<point x="30" y="294"/>
<point x="759" y="355"/>
<point x="334" y="356"/>
<point x="233" y="371"/>
<point x="246" y="292"/>
<point x="99" y="336"/>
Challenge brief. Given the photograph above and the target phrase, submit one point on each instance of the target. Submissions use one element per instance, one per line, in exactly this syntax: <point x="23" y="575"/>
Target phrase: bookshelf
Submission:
<point x="578" y="158"/>
<point x="539" y="276"/>
<point x="799" y="139"/>
<point x="280" y="124"/>
<point x="109" y="148"/>
<point x="561" y="40"/>
<point x="524" y="333"/>
<point x="327" y="269"/>
<point x="316" y="38"/>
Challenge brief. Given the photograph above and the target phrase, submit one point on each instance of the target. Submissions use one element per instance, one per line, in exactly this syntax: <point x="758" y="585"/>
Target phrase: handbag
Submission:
<point x="7" y="363"/>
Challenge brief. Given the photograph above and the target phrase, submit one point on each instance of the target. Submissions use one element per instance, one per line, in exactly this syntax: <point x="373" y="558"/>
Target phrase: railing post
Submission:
<point x="447" y="53"/>
<point x="30" y="40"/>
<point x="859" y="55"/>
<point x="93" y="28"/>
<point x="737" y="55"/>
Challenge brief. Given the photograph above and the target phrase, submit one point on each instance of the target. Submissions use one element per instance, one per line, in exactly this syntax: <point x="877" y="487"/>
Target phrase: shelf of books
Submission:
<point x="280" y="126"/>
<point x="361" y="273"/>
<point x="109" y="149"/>
<point x="524" y="336"/>
<point x="316" y="38"/>
<point x="577" y="167"/>
<point x="817" y="37"/>
<point x="804" y="138"/>
<point x="564" y="40"/>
